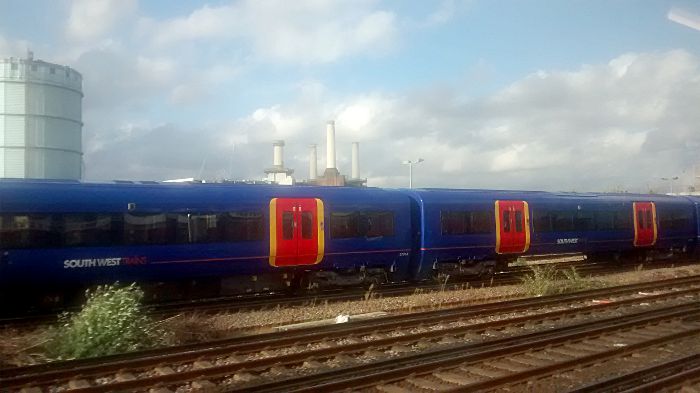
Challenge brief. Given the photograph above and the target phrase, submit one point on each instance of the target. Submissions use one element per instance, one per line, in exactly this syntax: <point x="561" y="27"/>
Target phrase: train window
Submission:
<point x="650" y="220"/>
<point x="675" y="219"/>
<point x="506" y="221"/>
<point x="482" y="221"/>
<point x="454" y="222"/>
<point x="466" y="222"/>
<point x="583" y="221"/>
<point x="604" y="220"/>
<point x="307" y="229"/>
<point x="204" y="228"/>
<point x="287" y="225"/>
<point x="242" y="226"/>
<point x="518" y="221"/>
<point x="542" y="221"/>
<point x="29" y="230"/>
<point x="362" y="224"/>
<point x="562" y="221"/>
<point x="85" y="230"/>
<point x="179" y="228"/>
<point x="345" y="224"/>
<point x="622" y="220"/>
<point x="640" y="220"/>
<point x="378" y="224"/>
<point x="145" y="228"/>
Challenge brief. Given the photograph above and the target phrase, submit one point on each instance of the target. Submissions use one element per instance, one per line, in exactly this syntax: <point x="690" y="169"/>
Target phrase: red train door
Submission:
<point x="512" y="227"/>
<point x="296" y="231"/>
<point x="644" y="224"/>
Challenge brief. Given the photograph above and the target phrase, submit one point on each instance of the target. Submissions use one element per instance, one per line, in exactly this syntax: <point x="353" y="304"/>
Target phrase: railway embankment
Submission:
<point x="26" y="346"/>
<point x="567" y="339"/>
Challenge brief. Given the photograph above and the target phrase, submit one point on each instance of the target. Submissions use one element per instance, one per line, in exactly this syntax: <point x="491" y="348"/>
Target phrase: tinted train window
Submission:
<point x="344" y="225"/>
<point x="307" y="225"/>
<point x="518" y="221"/>
<point x="676" y="219"/>
<point x="604" y="220"/>
<point x="542" y="221"/>
<point x="378" y="223"/>
<point x="287" y="225"/>
<point x="204" y="228"/>
<point x="362" y="224"/>
<point x="242" y="226"/>
<point x="93" y="230"/>
<point x="85" y="229"/>
<point x="650" y="220"/>
<point x="31" y="230"/>
<point x="622" y="220"/>
<point x="640" y="219"/>
<point x="563" y="221"/>
<point x="583" y="221"/>
<point x="506" y="221"/>
<point x="466" y="222"/>
<point x="553" y="221"/>
<point x="146" y="229"/>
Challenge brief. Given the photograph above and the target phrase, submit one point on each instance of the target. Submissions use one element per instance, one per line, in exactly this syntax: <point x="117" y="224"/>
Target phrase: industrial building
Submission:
<point x="279" y="174"/>
<point x="40" y="120"/>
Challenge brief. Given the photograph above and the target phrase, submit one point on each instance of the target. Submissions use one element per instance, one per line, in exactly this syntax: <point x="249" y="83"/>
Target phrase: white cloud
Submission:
<point x="91" y="19"/>
<point x="305" y="32"/>
<point x="684" y="17"/>
<point x="621" y="124"/>
<point x="13" y="48"/>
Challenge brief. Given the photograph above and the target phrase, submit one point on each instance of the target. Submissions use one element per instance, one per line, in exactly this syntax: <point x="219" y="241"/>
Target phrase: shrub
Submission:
<point x="542" y="280"/>
<point x="111" y="321"/>
<point x="574" y="281"/>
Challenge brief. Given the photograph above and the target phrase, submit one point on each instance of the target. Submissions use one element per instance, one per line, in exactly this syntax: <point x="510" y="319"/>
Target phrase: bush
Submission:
<point x="111" y="321"/>
<point x="574" y="282"/>
<point x="544" y="281"/>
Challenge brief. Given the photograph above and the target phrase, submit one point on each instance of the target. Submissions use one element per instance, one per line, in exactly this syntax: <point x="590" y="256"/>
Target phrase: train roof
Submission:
<point x="443" y="194"/>
<point x="58" y="196"/>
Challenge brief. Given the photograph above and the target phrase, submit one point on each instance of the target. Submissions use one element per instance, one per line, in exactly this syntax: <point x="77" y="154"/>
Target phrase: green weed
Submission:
<point x="111" y="321"/>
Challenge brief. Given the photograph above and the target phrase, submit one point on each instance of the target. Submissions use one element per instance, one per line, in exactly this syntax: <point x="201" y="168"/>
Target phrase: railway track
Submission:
<point x="273" y="300"/>
<point x="668" y="376"/>
<point x="381" y="353"/>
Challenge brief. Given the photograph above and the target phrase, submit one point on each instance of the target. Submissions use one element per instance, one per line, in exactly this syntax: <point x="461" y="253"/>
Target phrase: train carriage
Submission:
<point x="192" y="240"/>
<point x="211" y="238"/>
<point x="478" y="231"/>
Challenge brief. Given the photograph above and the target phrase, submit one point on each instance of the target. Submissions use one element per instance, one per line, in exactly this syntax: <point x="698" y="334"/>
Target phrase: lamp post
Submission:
<point x="670" y="180"/>
<point x="410" y="170"/>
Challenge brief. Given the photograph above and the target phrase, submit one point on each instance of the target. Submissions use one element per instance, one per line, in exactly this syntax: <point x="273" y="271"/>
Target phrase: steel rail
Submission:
<point x="170" y="354"/>
<point x="358" y="377"/>
<point x="52" y="376"/>
<point x="634" y="380"/>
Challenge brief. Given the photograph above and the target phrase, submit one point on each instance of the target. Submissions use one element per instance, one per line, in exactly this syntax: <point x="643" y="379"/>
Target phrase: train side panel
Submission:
<point x="70" y="234"/>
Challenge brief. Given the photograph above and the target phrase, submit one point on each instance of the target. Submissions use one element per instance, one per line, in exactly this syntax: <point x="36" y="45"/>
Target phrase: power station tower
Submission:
<point x="40" y="120"/>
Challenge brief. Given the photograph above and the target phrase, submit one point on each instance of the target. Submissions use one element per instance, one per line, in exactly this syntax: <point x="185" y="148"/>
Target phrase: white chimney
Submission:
<point x="330" y="145"/>
<point x="355" y="173"/>
<point x="312" y="162"/>
<point x="277" y="160"/>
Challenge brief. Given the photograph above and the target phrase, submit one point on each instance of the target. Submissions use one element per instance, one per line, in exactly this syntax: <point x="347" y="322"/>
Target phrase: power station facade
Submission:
<point x="40" y="120"/>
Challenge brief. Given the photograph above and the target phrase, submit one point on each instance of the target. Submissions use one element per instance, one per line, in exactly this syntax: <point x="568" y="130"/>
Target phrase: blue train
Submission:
<point x="58" y="237"/>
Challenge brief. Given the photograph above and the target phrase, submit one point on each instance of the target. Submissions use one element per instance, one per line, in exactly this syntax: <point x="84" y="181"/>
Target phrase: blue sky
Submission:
<point x="555" y="95"/>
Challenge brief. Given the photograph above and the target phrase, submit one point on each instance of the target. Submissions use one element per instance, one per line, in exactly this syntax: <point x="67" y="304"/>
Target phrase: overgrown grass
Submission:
<point x="546" y="280"/>
<point x="111" y="321"/>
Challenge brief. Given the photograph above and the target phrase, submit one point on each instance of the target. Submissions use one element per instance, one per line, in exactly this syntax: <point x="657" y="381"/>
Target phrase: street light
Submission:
<point x="410" y="170"/>
<point x="670" y="179"/>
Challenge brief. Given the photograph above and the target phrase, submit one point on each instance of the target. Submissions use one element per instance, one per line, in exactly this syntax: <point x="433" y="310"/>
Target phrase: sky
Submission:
<point x="574" y="95"/>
